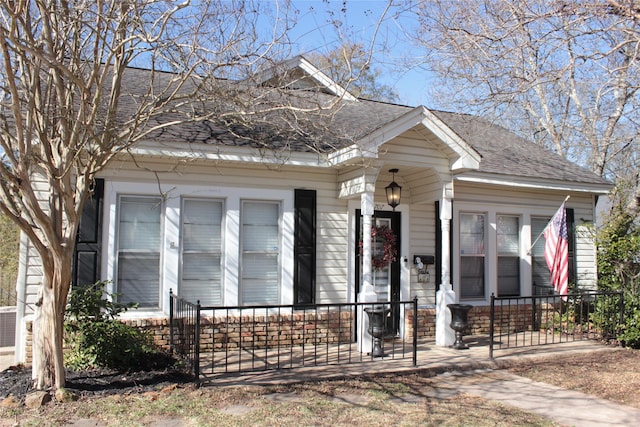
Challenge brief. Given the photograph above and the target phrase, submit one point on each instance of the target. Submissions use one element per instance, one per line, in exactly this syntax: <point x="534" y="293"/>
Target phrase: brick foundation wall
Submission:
<point x="311" y="328"/>
<point x="426" y="323"/>
<point x="513" y="319"/>
<point x="157" y="328"/>
<point x="219" y="333"/>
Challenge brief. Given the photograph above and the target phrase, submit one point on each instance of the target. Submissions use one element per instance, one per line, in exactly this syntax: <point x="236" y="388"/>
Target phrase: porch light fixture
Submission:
<point x="394" y="191"/>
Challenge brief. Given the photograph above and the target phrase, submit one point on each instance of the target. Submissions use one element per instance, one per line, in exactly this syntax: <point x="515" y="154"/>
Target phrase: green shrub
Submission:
<point x="629" y="334"/>
<point x="619" y="270"/>
<point x="95" y="339"/>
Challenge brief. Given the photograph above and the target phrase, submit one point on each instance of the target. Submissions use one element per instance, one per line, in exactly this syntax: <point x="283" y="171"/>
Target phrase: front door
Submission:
<point x="386" y="279"/>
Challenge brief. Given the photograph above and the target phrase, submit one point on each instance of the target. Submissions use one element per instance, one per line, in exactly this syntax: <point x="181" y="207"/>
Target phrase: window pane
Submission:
<point x="260" y="279"/>
<point x="139" y="237"/>
<point x="472" y="268"/>
<point x="201" y="279"/>
<point x="471" y="234"/>
<point x="260" y="213"/>
<point x="201" y="276"/>
<point x="260" y="227"/>
<point x="508" y="235"/>
<point x="138" y="279"/>
<point x="508" y="276"/>
<point x="540" y="272"/>
<point x="260" y="237"/>
<point x="260" y="253"/>
<point x="139" y="226"/>
<point x="471" y="277"/>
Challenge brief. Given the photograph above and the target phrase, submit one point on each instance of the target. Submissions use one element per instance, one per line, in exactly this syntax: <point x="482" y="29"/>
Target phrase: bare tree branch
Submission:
<point x="566" y="73"/>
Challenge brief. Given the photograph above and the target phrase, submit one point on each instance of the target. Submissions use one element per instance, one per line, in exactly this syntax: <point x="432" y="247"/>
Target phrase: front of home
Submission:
<point x="236" y="226"/>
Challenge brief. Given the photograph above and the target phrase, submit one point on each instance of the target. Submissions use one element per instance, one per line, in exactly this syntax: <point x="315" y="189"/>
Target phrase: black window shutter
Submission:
<point x="86" y="257"/>
<point x="304" y="251"/>
<point x="571" y="236"/>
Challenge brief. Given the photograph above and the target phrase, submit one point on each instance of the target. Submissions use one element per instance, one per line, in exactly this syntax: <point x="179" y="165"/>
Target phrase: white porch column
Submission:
<point x="445" y="336"/>
<point x="367" y="293"/>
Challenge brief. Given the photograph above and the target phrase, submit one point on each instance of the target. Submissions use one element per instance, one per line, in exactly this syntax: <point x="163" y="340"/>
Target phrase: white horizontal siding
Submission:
<point x="543" y="203"/>
<point x="332" y="230"/>
<point x="332" y="216"/>
<point x="422" y="242"/>
<point x="413" y="149"/>
<point x="30" y="283"/>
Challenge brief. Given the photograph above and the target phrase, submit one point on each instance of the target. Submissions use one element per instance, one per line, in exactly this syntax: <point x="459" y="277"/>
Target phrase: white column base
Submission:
<point x="445" y="336"/>
<point x="365" y="340"/>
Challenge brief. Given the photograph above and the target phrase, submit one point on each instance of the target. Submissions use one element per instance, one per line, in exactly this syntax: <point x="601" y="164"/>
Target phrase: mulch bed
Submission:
<point x="17" y="381"/>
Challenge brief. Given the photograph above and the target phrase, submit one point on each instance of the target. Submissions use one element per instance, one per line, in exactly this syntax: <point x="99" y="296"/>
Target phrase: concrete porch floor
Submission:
<point x="431" y="359"/>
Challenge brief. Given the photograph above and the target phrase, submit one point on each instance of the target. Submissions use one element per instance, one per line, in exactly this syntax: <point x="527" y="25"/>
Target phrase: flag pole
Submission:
<point x="547" y="226"/>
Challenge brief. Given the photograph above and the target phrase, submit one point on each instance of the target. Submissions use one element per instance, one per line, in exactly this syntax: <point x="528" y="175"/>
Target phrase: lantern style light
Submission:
<point x="394" y="191"/>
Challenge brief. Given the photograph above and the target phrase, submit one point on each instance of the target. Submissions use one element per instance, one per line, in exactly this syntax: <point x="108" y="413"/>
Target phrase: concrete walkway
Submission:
<point x="566" y="407"/>
<point x="473" y="372"/>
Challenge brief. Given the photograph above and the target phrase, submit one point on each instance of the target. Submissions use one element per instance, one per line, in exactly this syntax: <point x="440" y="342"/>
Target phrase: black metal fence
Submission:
<point x="550" y="319"/>
<point x="184" y="331"/>
<point x="215" y="340"/>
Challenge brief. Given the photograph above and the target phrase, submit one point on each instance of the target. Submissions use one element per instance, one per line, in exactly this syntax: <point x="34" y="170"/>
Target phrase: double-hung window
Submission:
<point x="139" y="244"/>
<point x="541" y="279"/>
<point x="472" y="255"/>
<point x="201" y="251"/>
<point x="508" y="236"/>
<point x="219" y="246"/>
<point x="260" y="252"/>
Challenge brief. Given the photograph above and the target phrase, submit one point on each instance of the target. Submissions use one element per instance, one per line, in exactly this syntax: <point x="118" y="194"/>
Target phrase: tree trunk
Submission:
<point x="48" y="325"/>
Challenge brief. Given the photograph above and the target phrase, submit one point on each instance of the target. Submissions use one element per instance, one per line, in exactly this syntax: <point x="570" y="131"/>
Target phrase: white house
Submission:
<point x="233" y="221"/>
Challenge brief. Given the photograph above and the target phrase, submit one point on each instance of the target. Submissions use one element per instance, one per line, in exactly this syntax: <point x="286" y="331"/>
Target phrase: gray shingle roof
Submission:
<point x="503" y="152"/>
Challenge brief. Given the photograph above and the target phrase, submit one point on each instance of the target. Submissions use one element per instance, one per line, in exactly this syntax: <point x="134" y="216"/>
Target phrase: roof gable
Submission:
<point x="460" y="153"/>
<point x="298" y="73"/>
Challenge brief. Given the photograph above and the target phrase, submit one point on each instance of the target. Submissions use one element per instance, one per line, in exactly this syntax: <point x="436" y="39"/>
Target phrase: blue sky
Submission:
<point x="314" y="32"/>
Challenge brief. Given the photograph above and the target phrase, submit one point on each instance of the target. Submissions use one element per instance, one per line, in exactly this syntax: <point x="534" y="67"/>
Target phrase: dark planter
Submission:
<point x="459" y="322"/>
<point x="377" y="327"/>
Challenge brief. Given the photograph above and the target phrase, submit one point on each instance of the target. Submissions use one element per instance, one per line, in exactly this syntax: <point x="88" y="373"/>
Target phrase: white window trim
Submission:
<point x="170" y="247"/>
<point x="241" y="250"/>
<point x="488" y="248"/>
<point x="183" y="199"/>
<point x="520" y="261"/>
<point x="117" y="243"/>
<point x="525" y="212"/>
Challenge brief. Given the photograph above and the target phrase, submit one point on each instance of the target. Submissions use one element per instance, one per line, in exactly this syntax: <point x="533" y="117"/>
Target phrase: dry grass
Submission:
<point x="613" y="375"/>
<point x="407" y="401"/>
<point x="400" y="401"/>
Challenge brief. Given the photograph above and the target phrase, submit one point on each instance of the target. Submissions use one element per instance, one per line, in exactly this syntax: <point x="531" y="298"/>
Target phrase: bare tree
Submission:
<point x="71" y="102"/>
<point x="63" y="74"/>
<point x="565" y="73"/>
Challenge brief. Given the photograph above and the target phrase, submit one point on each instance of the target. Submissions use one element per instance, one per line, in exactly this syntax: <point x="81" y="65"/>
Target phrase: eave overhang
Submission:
<point x="533" y="183"/>
<point x="228" y="154"/>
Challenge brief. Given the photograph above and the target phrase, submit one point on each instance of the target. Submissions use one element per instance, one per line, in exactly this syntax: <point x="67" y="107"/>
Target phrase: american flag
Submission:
<point x="556" y="251"/>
